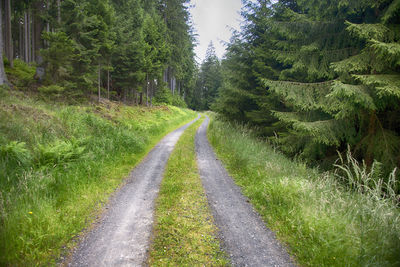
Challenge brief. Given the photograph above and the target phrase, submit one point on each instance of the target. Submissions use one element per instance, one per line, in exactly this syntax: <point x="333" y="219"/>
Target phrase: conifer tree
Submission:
<point x="321" y="74"/>
<point x="209" y="80"/>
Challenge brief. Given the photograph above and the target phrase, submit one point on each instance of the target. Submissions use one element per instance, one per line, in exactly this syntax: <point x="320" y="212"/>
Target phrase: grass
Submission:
<point x="184" y="233"/>
<point x="318" y="217"/>
<point x="60" y="163"/>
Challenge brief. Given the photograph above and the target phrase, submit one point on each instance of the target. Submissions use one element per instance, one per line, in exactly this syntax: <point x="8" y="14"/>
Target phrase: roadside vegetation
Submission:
<point x="59" y="163"/>
<point x="338" y="218"/>
<point x="320" y="75"/>
<point x="184" y="233"/>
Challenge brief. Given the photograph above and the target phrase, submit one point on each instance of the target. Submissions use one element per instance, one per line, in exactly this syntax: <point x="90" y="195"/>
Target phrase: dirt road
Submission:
<point x="243" y="234"/>
<point x="122" y="236"/>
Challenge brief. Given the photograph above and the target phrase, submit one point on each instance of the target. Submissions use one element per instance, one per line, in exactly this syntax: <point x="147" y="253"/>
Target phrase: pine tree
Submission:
<point x="327" y="71"/>
<point x="209" y="81"/>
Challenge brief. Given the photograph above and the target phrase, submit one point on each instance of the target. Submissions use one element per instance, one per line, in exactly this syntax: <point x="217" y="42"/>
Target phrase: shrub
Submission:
<point x="59" y="152"/>
<point x="52" y="90"/>
<point x="58" y="56"/>
<point x="178" y="101"/>
<point x="24" y="74"/>
<point x="163" y="96"/>
<point x="15" y="154"/>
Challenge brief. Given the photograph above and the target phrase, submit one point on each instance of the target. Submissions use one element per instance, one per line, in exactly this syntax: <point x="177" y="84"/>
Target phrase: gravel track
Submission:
<point x="122" y="236"/>
<point x="243" y="234"/>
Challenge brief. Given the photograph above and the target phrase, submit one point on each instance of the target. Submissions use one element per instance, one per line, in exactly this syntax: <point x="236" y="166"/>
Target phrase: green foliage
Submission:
<point x="182" y="225"/>
<point x="51" y="89"/>
<point x="59" y="164"/>
<point x="318" y="75"/>
<point x="22" y="75"/>
<point x="91" y="45"/>
<point x="58" y="56"/>
<point x="163" y="96"/>
<point x="322" y="221"/>
<point x="178" y="101"/>
<point x="208" y="82"/>
<point x="15" y="154"/>
<point x="60" y="152"/>
<point x="360" y="178"/>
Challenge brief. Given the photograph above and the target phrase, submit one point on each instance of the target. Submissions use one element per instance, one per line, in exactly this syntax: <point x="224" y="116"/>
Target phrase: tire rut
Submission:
<point x="244" y="236"/>
<point x="122" y="236"/>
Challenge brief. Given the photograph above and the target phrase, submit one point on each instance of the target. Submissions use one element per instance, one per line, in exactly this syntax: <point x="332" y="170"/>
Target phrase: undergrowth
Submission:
<point x="323" y="220"/>
<point x="59" y="164"/>
<point x="184" y="233"/>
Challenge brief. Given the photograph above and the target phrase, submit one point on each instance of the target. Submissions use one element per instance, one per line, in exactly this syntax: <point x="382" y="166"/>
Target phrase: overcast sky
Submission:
<point x="212" y="22"/>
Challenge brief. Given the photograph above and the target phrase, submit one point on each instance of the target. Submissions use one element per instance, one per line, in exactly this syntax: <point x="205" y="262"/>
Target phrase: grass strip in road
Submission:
<point x="184" y="232"/>
<point x="323" y="223"/>
<point x="60" y="163"/>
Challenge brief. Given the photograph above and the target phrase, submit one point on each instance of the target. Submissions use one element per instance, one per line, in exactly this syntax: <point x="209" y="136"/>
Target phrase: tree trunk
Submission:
<point x="33" y="39"/>
<point x="38" y="27"/>
<point x="46" y="43"/>
<point x="184" y="92"/>
<point x="8" y="45"/>
<point x="165" y="75"/>
<point x="3" y="77"/>
<point x="98" y="81"/>
<point x="21" y="43"/>
<point x="151" y="93"/>
<point x="59" y="12"/>
<point x="141" y="98"/>
<point x="108" y="83"/>
<point x="26" y="44"/>
<point x="372" y="125"/>
<point x="147" y="90"/>
<point x="173" y="82"/>
<point x="169" y="78"/>
<point x="28" y="40"/>
<point x="48" y="24"/>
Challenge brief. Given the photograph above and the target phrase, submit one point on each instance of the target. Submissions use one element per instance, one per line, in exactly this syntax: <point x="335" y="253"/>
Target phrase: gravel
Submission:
<point x="243" y="234"/>
<point x="122" y="236"/>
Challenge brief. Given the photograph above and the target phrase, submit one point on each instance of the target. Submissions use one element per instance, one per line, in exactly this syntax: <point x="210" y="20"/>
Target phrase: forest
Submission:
<point x="303" y="112"/>
<point x="314" y="78"/>
<point x="126" y="50"/>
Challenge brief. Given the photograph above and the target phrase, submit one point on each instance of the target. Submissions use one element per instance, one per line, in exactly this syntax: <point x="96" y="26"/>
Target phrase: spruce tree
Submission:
<point x="320" y="75"/>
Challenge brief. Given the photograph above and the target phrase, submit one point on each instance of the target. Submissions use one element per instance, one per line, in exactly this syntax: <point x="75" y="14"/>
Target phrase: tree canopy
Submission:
<point x="317" y="76"/>
<point x="130" y="47"/>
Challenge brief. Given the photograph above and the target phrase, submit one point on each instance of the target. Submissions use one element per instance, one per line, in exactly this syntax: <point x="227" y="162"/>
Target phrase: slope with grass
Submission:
<point x="323" y="222"/>
<point x="59" y="164"/>
<point x="184" y="233"/>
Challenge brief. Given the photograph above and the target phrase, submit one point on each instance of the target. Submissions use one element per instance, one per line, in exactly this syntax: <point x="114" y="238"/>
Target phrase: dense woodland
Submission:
<point x="314" y="77"/>
<point x="128" y="50"/>
<point x="317" y="80"/>
<point x="317" y="77"/>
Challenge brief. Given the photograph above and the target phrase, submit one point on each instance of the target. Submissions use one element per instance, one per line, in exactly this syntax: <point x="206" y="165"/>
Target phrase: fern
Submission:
<point x="15" y="154"/>
<point x="60" y="152"/>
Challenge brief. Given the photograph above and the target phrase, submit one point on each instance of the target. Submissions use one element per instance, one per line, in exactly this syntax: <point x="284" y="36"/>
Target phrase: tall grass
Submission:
<point x="59" y="164"/>
<point x="322" y="220"/>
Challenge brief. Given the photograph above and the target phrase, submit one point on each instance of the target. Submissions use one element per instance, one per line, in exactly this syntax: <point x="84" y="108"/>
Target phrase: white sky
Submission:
<point x="213" y="20"/>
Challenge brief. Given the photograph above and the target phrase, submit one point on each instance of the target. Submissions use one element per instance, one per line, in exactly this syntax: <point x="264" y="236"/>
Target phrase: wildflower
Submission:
<point x="30" y="212"/>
